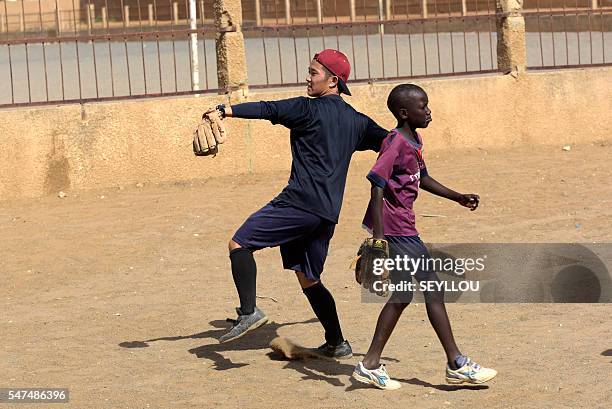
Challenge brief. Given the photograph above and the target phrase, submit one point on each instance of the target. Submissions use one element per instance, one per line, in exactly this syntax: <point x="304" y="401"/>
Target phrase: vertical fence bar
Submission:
<point x="10" y="58"/>
<point x="540" y="32"/>
<point x="258" y="20"/>
<point x="172" y="20"/>
<point x="110" y="51"/>
<point x="104" y="17"/>
<point x="159" y="70"/>
<point x="202" y="16"/>
<point x="195" y="66"/>
<point x="91" y="17"/>
<point x="450" y="30"/>
<point x="126" y="18"/>
<point x="27" y="58"/>
<point x="381" y="27"/>
<point x="287" y="12"/>
<point x="144" y="65"/>
<point x="44" y="51"/>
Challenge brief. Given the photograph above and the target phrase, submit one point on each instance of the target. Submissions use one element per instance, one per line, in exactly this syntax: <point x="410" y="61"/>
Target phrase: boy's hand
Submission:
<point x="469" y="200"/>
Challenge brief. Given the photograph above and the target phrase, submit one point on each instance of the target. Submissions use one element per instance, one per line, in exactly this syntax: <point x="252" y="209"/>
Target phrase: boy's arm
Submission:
<point x="431" y="185"/>
<point x="376" y="204"/>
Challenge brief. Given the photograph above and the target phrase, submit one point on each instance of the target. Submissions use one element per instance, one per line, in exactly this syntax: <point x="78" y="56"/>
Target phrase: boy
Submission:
<point x="325" y="131"/>
<point x="395" y="179"/>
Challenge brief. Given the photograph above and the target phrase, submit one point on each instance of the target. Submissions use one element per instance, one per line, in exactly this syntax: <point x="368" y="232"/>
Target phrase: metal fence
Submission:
<point x="55" y="51"/>
<point x="80" y="53"/>
<point x="407" y="39"/>
<point x="576" y="34"/>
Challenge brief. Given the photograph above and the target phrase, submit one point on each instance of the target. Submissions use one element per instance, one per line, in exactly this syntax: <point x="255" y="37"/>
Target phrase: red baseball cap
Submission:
<point x="337" y="64"/>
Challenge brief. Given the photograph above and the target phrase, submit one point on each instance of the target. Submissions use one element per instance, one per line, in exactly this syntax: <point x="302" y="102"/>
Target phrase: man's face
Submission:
<point x="318" y="82"/>
<point x="416" y="113"/>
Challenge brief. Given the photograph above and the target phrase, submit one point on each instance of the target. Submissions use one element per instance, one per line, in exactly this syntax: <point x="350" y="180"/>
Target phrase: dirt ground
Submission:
<point x="119" y="294"/>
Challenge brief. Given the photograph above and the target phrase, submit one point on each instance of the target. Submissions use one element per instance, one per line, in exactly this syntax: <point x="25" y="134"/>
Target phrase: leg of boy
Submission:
<point x="459" y="368"/>
<point x="387" y="319"/>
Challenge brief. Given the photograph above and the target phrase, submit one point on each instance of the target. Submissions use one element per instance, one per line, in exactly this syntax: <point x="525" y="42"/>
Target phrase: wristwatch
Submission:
<point x="221" y="109"/>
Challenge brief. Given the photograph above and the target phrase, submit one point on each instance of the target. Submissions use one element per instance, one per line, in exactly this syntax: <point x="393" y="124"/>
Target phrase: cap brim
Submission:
<point x="342" y="88"/>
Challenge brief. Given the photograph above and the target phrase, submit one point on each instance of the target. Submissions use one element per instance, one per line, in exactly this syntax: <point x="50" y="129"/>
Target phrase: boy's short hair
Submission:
<point x="398" y="96"/>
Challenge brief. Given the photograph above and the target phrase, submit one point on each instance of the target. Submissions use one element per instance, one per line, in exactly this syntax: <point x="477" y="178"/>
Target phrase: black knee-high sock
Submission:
<point x="244" y="271"/>
<point x="324" y="307"/>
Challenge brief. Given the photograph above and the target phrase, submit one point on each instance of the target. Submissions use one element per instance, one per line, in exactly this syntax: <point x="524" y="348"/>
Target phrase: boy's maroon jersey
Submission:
<point x="398" y="171"/>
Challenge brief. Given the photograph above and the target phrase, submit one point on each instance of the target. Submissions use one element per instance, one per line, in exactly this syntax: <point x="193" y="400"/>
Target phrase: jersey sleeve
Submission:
<point x="381" y="172"/>
<point x="373" y="136"/>
<point x="293" y="113"/>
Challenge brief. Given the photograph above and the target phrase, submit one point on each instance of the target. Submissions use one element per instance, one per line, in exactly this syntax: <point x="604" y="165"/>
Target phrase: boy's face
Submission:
<point x="318" y="82"/>
<point x="416" y="113"/>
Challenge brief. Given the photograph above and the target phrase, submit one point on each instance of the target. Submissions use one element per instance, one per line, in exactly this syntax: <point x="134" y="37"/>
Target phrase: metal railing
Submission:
<point x="568" y="36"/>
<point x="95" y="58"/>
<point x="56" y="51"/>
<point x="397" y="42"/>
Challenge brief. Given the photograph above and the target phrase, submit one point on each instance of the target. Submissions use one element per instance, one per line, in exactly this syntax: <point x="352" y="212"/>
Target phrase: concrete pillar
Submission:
<point x="594" y="4"/>
<point x="126" y="16"/>
<point x="104" y="17"/>
<point x="319" y="12"/>
<point x="258" y="12"/>
<point x="464" y="7"/>
<point x="21" y="22"/>
<point x="288" y="11"/>
<point x="388" y="9"/>
<point x="2" y="30"/>
<point x="150" y="13"/>
<point x="231" y="57"/>
<point x="175" y="15"/>
<point x="424" y="8"/>
<point x="352" y="7"/>
<point x="511" y="54"/>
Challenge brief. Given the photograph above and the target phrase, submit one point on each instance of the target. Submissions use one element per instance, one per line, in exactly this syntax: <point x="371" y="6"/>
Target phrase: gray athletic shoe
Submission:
<point x="243" y="324"/>
<point x="340" y="351"/>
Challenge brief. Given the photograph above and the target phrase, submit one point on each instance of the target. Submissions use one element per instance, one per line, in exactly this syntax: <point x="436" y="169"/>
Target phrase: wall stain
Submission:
<point x="58" y="168"/>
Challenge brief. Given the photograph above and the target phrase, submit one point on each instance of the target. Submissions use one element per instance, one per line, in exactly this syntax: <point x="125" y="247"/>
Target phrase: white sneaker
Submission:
<point x="377" y="377"/>
<point x="471" y="372"/>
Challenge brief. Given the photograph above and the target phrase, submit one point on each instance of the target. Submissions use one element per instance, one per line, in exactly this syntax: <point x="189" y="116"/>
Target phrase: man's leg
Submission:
<point x="324" y="307"/>
<point x="244" y="273"/>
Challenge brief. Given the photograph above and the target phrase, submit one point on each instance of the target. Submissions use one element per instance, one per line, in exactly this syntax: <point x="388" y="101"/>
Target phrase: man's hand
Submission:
<point x="469" y="200"/>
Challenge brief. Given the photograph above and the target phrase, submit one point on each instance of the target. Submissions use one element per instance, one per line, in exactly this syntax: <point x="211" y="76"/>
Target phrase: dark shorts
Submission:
<point x="411" y="247"/>
<point x="302" y="236"/>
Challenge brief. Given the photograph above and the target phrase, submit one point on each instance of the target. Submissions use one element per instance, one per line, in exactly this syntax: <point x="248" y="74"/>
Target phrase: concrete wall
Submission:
<point x="47" y="149"/>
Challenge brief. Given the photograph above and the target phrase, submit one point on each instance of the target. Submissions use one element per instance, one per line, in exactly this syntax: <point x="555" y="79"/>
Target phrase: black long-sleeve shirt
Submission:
<point x="325" y="132"/>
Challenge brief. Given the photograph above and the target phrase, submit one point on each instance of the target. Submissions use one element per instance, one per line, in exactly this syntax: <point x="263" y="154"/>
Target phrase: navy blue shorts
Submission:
<point x="412" y="247"/>
<point x="302" y="236"/>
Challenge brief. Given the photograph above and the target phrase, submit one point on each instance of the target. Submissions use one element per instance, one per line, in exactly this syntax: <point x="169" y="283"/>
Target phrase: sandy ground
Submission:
<point x="120" y="294"/>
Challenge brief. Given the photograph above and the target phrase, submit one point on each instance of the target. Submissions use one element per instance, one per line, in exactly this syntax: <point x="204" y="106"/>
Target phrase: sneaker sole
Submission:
<point x="457" y="381"/>
<point x="368" y="381"/>
<point x="330" y="358"/>
<point x="251" y="328"/>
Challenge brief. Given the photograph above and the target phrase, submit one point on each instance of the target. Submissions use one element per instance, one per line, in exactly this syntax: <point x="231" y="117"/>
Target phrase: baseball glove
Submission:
<point x="209" y="134"/>
<point x="366" y="273"/>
